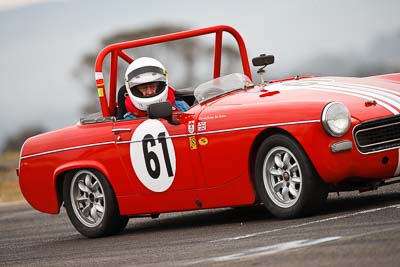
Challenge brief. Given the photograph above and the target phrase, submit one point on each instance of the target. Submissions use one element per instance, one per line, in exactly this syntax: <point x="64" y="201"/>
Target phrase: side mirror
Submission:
<point x="162" y="110"/>
<point x="263" y="60"/>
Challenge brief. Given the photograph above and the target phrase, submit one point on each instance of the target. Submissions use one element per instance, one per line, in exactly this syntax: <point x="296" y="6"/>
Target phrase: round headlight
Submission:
<point x="336" y="119"/>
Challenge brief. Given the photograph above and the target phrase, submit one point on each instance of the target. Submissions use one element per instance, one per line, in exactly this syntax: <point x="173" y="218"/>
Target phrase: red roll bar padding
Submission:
<point x="116" y="51"/>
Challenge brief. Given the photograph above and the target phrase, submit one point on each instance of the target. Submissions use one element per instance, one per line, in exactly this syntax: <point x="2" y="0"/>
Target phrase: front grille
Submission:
<point x="378" y="135"/>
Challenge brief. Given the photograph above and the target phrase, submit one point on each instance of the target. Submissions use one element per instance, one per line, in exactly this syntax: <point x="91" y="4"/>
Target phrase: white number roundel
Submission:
<point x="153" y="155"/>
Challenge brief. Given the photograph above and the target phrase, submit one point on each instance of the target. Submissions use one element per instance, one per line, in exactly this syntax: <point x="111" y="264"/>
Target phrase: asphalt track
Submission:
<point x="354" y="230"/>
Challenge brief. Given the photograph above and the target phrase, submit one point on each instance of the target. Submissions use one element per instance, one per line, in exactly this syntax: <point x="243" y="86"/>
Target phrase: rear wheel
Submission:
<point x="91" y="204"/>
<point x="285" y="179"/>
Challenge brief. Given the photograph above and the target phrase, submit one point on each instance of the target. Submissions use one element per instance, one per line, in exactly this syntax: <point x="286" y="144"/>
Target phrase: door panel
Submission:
<point x="156" y="155"/>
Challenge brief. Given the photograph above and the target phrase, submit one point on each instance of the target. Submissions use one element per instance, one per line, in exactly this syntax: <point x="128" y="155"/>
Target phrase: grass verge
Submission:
<point x="9" y="191"/>
<point x="9" y="186"/>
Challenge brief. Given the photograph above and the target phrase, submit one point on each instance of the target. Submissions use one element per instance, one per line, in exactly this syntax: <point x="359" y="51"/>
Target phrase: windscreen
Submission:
<point x="220" y="86"/>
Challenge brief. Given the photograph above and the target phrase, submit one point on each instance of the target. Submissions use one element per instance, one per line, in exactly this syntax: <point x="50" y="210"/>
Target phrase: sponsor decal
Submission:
<point x="99" y="83"/>
<point x="214" y="117"/>
<point x="203" y="141"/>
<point x="153" y="155"/>
<point x="100" y="91"/>
<point x="201" y="126"/>
<point x="98" y="76"/>
<point x="192" y="142"/>
<point x="191" y="127"/>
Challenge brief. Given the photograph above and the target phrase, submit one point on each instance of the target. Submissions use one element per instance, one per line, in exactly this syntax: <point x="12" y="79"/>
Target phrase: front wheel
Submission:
<point x="91" y="204"/>
<point x="285" y="179"/>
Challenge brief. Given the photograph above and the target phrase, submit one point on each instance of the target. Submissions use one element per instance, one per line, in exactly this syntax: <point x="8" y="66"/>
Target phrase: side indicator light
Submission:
<point x="341" y="146"/>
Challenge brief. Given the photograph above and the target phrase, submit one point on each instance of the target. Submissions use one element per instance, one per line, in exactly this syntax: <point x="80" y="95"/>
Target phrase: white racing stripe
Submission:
<point x="351" y="93"/>
<point x="372" y="87"/>
<point x="382" y="100"/>
<point x="392" y="94"/>
<point x="388" y="98"/>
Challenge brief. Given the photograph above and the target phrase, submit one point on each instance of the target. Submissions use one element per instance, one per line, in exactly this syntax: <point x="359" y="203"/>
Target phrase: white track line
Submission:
<point x="265" y="250"/>
<point x="305" y="224"/>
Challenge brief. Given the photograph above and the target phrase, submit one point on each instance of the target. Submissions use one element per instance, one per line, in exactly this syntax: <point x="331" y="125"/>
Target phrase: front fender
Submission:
<point x="335" y="167"/>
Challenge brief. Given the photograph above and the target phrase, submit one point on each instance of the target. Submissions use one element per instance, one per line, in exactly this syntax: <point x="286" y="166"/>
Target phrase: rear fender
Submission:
<point x="60" y="174"/>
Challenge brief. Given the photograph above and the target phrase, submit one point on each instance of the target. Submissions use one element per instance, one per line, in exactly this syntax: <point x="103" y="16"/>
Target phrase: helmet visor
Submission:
<point x="145" y="75"/>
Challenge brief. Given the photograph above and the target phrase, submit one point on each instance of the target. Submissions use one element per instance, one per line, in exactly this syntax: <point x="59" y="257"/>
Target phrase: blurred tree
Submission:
<point x="185" y="60"/>
<point x="381" y="57"/>
<point x="14" y="143"/>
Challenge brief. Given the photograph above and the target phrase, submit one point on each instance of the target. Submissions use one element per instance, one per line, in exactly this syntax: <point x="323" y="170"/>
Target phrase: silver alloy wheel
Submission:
<point x="87" y="198"/>
<point x="282" y="177"/>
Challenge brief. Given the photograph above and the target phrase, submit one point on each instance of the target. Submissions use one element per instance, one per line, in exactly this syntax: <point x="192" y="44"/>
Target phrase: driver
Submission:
<point x="146" y="83"/>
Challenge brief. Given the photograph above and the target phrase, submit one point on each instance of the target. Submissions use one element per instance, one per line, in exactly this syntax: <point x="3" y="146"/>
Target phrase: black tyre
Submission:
<point x="91" y="204"/>
<point x="285" y="179"/>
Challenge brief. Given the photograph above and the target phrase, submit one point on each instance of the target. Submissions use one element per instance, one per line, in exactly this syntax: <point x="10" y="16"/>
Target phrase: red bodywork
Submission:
<point x="214" y="162"/>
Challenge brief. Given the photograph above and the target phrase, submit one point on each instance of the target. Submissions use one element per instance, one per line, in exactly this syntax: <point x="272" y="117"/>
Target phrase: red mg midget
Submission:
<point x="283" y="144"/>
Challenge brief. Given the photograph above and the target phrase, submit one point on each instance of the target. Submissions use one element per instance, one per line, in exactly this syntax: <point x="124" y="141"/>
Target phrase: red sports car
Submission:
<point x="282" y="144"/>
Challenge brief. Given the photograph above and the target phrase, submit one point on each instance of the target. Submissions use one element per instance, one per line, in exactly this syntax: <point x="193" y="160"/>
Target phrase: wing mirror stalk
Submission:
<point x="262" y="60"/>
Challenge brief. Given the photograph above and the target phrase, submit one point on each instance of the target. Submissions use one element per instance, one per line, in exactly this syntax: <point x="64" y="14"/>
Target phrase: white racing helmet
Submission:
<point x="146" y="70"/>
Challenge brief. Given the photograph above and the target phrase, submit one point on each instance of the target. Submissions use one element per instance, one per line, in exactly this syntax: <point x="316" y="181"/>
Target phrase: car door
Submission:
<point x="159" y="161"/>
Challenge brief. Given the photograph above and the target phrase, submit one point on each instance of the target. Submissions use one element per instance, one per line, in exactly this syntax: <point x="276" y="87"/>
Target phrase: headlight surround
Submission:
<point x="336" y="119"/>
